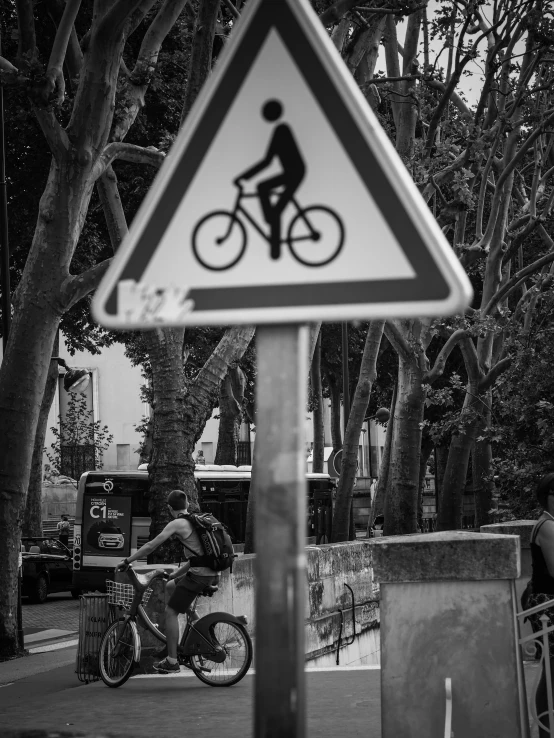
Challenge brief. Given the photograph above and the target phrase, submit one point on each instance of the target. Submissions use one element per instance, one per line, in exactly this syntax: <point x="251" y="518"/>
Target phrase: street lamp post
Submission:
<point x="5" y="252"/>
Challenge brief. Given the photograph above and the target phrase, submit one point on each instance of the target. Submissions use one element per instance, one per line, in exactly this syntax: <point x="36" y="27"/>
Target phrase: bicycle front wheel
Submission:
<point x="235" y="640"/>
<point x="316" y="236"/>
<point x="117" y="657"/>
<point x="219" y="240"/>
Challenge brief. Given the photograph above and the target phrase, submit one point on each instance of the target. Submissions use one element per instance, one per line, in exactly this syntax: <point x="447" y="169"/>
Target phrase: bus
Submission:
<point x="112" y="519"/>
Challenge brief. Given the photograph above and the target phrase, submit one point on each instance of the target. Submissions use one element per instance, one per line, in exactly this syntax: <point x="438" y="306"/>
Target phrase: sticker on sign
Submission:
<point x="147" y="304"/>
<point x="282" y="199"/>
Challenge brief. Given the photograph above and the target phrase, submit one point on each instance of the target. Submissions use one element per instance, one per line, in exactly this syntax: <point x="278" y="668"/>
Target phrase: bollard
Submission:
<point x="448" y="612"/>
<point x="94" y="619"/>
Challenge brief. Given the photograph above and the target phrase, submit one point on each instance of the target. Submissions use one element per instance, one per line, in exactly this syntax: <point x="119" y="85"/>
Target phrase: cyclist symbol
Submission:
<point x="315" y="234"/>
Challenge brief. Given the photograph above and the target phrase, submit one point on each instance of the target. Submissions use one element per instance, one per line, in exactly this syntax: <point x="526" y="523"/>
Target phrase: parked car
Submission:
<point x="47" y="567"/>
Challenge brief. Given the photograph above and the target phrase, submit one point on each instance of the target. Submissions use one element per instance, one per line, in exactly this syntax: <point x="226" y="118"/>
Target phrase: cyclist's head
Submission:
<point x="272" y="110"/>
<point x="177" y="500"/>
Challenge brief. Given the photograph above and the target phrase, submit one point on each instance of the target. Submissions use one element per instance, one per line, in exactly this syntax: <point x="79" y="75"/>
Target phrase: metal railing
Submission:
<point x="533" y="645"/>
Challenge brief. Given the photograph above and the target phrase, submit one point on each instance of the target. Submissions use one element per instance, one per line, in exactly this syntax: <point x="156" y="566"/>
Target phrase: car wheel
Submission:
<point x="40" y="592"/>
<point x="75" y="593"/>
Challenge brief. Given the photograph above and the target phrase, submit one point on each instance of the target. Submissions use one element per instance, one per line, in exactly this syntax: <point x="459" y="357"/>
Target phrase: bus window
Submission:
<point x="134" y="487"/>
<point x="227" y="500"/>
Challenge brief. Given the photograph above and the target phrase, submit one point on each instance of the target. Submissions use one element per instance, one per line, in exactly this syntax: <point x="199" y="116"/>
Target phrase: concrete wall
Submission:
<point x="329" y="567"/>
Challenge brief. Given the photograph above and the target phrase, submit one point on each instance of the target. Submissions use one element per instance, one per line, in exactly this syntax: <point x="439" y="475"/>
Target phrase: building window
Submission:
<point x="77" y="447"/>
<point x="123" y="456"/>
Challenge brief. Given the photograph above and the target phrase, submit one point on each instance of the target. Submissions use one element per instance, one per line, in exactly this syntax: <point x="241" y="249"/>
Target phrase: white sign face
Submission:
<point x="282" y="200"/>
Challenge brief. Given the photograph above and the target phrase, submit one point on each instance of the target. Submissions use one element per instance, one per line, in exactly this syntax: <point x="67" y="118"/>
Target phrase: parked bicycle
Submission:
<point x="315" y="235"/>
<point x="216" y="647"/>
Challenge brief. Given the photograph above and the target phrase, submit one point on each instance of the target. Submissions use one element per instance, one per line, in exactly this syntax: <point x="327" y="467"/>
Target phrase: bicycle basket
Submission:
<point x="122" y="594"/>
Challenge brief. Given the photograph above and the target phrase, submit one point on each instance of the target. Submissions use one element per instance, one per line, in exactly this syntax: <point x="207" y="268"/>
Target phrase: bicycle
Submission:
<point x="216" y="647"/>
<point x="316" y="224"/>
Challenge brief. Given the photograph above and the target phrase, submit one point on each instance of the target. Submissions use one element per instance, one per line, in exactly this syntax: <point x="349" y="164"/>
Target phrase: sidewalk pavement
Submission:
<point x="41" y="693"/>
<point x="340" y="701"/>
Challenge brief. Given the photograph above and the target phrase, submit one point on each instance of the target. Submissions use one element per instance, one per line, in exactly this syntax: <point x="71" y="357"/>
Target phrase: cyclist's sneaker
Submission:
<point x="164" y="667"/>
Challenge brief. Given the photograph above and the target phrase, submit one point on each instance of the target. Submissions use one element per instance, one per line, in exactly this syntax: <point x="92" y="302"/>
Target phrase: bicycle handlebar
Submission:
<point x="156" y="574"/>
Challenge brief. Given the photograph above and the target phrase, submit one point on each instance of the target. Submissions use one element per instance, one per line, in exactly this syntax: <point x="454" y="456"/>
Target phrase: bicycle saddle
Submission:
<point x="210" y="590"/>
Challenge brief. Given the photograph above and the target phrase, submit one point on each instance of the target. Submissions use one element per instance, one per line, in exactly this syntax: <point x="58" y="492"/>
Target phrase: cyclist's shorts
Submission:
<point x="186" y="589"/>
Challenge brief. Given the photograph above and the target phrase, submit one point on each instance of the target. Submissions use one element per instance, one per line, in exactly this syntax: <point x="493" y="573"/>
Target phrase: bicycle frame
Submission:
<point x="196" y="639"/>
<point x="238" y="208"/>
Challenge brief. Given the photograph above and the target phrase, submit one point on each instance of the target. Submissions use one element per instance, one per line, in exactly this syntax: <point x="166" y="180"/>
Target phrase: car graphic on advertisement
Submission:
<point x="111" y="540"/>
<point x="104" y="535"/>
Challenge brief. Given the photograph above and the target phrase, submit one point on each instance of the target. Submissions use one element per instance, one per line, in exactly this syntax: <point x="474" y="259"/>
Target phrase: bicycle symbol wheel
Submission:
<point x="315" y="236"/>
<point x="219" y="240"/>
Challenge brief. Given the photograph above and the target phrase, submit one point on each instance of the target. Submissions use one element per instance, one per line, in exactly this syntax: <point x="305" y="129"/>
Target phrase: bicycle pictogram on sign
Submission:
<point x="315" y="234"/>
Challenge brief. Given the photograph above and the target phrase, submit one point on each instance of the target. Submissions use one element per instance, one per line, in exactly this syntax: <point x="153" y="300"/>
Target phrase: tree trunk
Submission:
<point x="231" y="396"/>
<point x="454" y="481"/>
<point x="318" y="453"/>
<point x="201" y="55"/>
<point x="407" y="110"/>
<point x="483" y="482"/>
<point x="382" y="486"/>
<point x="171" y="466"/>
<point x="368" y="373"/>
<point x="25" y="365"/>
<point x="401" y="502"/>
<point x="32" y="524"/>
<point x="180" y="416"/>
<point x="334" y="391"/>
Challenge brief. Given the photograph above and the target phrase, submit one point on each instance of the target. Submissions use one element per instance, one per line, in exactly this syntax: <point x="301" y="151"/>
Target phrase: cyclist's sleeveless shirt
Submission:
<point x="542" y="581"/>
<point x="192" y="548"/>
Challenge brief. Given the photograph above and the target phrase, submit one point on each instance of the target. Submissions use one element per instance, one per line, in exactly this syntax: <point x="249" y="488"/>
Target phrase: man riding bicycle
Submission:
<point x="282" y="146"/>
<point x="185" y="583"/>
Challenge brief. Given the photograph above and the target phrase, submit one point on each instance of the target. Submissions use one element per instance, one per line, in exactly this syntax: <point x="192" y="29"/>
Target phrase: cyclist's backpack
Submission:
<point x="218" y="548"/>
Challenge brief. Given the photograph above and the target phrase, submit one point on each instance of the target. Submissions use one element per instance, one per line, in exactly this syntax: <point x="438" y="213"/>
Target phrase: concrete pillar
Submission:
<point x="523" y="529"/>
<point x="448" y="610"/>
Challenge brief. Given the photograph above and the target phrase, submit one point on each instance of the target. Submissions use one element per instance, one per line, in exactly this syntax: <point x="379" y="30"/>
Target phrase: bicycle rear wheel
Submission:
<point x="235" y="640"/>
<point x="117" y="657"/>
<point x="219" y="240"/>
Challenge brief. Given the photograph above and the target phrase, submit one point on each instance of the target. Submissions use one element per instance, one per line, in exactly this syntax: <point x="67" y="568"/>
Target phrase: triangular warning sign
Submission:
<point x="281" y="200"/>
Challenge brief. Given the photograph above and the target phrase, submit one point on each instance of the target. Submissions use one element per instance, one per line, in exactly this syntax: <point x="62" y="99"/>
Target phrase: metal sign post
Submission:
<point x="280" y="531"/>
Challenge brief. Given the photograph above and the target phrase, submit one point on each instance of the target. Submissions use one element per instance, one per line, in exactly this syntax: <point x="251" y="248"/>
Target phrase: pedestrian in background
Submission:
<point x="63" y="530"/>
<point x="541" y="587"/>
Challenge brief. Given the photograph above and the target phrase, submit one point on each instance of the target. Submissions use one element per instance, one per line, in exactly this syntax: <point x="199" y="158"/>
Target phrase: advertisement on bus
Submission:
<point x="106" y="525"/>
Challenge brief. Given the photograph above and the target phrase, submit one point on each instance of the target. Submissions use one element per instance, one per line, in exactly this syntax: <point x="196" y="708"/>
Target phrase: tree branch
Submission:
<point x="509" y="168"/>
<point x="55" y="135"/>
<point x="108" y="192"/>
<point x="488" y="381"/>
<point x="54" y="71"/>
<point x="27" y="45"/>
<point x="440" y="362"/>
<point x="131" y="153"/>
<point x="471" y="361"/>
<point x="334" y="14"/>
<point x="113" y="22"/>
<point x="455" y="99"/>
<point x="514" y="282"/>
<point x="397" y="340"/>
<point x="75" y="288"/>
<point x="131" y="99"/>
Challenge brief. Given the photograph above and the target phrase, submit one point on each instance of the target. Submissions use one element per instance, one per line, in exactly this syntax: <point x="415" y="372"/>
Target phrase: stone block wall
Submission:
<point x="329" y="568"/>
